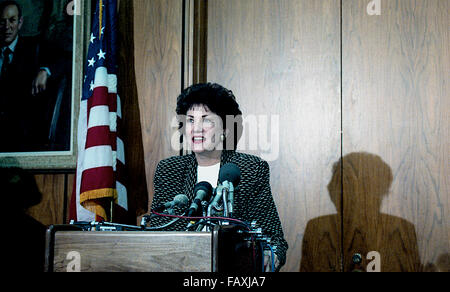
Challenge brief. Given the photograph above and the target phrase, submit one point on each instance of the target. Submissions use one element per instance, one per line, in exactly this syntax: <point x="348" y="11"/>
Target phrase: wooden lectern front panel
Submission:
<point x="132" y="251"/>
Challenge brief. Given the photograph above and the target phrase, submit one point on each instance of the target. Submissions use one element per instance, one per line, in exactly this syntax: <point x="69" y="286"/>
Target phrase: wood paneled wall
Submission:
<point x="396" y="105"/>
<point x="281" y="60"/>
<point x="136" y="180"/>
<point x="158" y="61"/>
<point x="351" y="96"/>
<point x="56" y="190"/>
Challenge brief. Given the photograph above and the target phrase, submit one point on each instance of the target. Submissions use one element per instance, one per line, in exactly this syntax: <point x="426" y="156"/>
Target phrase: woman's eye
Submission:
<point x="208" y="122"/>
<point x="190" y="120"/>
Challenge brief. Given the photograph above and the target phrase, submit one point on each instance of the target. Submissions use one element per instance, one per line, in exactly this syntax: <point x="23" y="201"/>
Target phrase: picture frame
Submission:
<point x="65" y="159"/>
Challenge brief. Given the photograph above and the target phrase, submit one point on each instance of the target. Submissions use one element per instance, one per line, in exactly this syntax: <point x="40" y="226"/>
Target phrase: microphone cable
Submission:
<point x="272" y="257"/>
<point x="242" y="223"/>
<point x="165" y="225"/>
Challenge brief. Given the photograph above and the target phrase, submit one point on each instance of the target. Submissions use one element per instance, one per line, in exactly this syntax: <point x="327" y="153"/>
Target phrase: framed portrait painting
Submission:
<point x="43" y="44"/>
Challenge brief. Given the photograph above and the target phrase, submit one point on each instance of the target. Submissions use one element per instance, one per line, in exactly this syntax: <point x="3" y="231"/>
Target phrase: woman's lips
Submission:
<point x="198" y="140"/>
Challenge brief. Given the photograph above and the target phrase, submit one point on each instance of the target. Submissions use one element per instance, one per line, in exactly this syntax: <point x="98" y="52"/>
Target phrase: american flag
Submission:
<point x="101" y="160"/>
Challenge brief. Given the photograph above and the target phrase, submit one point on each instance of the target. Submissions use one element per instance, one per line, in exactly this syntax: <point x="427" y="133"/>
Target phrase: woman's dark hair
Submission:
<point x="219" y="100"/>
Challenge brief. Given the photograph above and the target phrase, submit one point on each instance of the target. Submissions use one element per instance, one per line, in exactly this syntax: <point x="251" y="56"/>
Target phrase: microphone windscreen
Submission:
<point x="206" y="187"/>
<point x="230" y="172"/>
<point x="181" y="200"/>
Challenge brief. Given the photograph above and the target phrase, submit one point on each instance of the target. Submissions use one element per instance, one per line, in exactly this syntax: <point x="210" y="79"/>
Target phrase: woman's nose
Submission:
<point x="198" y="126"/>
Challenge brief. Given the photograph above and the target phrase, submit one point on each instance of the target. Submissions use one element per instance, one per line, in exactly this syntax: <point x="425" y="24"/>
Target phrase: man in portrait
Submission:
<point x="27" y="94"/>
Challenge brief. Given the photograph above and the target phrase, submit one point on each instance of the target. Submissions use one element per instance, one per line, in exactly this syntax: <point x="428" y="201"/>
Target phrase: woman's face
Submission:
<point x="203" y="129"/>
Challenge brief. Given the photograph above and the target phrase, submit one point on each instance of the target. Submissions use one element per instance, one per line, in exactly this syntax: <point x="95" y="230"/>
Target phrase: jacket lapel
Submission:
<point x="226" y="157"/>
<point x="190" y="175"/>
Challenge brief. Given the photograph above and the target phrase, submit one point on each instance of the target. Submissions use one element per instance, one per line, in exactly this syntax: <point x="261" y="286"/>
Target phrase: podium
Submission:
<point x="69" y="249"/>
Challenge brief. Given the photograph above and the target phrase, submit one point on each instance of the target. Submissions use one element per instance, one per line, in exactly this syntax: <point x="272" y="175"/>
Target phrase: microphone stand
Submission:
<point x="215" y="201"/>
<point x="230" y="200"/>
<point x="200" y="223"/>
<point x="225" y="189"/>
<point x="227" y="198"/>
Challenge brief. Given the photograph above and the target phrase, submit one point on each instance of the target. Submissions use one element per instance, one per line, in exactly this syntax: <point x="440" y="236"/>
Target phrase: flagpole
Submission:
<point x="100" y="15"/>
<point x="111" y="210"/>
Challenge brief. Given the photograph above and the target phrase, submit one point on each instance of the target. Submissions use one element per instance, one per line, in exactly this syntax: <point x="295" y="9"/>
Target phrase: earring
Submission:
<point x="222" y="137"/>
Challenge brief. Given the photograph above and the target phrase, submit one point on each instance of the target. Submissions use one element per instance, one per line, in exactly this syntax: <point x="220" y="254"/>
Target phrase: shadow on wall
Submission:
<point x="357" y="195"/>
<point x="442" y="264"/>
<point x="24" y="236"/>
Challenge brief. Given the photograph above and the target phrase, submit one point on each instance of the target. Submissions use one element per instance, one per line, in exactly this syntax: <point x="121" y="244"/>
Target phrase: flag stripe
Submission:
<point x="119" y="107"/>
<point x="98" y="156"/>
<point x="98" y="135"/>
<point x="112" y="83"/>
<point x="97" y="178"/>
<point x="99" y="116"/>
<point x="113" y="122"/>
<point x="120" y="170"/>
<point x="120" y="150"/>
<point x="100" y="96"/>
<point x="101" y="77"/>
<point x="122" y="195"/>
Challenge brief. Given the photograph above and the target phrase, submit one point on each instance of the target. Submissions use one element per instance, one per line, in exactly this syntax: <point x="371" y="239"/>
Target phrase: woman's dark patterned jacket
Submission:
<point x="253" y="200"/>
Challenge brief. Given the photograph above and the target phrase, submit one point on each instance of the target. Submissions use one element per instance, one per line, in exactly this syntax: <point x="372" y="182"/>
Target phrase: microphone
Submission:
<point x="229" y="178"/>
<point x="179" y="200"/>
<point x="230" y="172"/>
<point x="202" y="192"/>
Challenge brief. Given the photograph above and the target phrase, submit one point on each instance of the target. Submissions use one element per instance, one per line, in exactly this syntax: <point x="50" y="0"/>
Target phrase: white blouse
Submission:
<point x="209" y="174"/>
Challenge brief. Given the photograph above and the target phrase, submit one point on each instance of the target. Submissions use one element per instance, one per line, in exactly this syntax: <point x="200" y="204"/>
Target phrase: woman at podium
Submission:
<point x="210" y="122"/>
